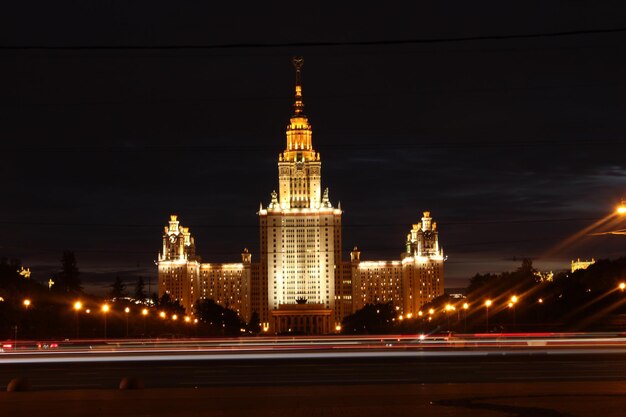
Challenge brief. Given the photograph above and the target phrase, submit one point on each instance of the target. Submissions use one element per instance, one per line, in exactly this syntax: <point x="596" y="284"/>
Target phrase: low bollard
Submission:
<point x="131" y="382"/>
<point x="18" y="384"/>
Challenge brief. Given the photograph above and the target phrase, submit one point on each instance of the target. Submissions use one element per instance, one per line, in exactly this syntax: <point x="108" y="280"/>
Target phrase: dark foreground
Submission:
<point x="542" y="399"/>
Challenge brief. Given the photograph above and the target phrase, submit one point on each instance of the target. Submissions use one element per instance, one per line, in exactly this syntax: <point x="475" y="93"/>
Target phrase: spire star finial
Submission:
<point x="298" y="63"/>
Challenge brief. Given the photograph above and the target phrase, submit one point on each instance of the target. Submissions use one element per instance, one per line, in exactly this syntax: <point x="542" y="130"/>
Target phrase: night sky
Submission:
<point x="513" y="144"/>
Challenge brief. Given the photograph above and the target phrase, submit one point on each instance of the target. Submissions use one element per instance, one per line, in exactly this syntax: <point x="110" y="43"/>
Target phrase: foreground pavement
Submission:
<point x="539" y="399"/>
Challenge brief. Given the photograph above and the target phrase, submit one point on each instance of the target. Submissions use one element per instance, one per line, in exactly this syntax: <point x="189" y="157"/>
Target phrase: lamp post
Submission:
<point x="512" y="304"/>
<point x="105" y="310"/>
<point x="144" y="313"/>
<point x="487" y="305"/>
<point x="77" y="307"/>
<point x="127" y="311"/>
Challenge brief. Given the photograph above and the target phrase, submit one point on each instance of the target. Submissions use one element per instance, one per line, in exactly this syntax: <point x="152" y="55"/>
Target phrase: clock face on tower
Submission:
<point x="173" y="238"/>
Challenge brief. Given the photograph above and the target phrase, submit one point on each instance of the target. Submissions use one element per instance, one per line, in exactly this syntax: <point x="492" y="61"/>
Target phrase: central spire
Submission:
<point x="299" y="133"/>
<point x="298" y="63"/>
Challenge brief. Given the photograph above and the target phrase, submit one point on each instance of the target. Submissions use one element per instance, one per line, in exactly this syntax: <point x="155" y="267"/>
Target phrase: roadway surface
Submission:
<point x="551" y="376"/>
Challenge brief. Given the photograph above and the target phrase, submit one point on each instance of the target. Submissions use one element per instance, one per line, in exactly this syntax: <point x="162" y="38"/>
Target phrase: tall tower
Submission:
<point x="300" y="228"/>
<point x="178" y="264"/>
<point x="422" y="265"/>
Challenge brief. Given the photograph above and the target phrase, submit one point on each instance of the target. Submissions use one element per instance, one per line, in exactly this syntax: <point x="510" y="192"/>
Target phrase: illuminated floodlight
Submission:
<point x="144" y="311"/>
<point x="78" y="306"/>
<point x="465" y="306"/>
<point x="127" y="310"/>
<point x="106" y="308"/>
<point x="622" y="286"/>
<point x="26" y="303"/>
<point x="488" y="303"/>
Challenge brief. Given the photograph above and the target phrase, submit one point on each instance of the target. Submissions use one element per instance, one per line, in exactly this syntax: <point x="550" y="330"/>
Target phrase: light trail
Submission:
<point x="294" y="355"/>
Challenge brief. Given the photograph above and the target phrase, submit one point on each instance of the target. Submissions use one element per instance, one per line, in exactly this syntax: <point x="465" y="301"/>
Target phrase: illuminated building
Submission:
<point x="578" y="264"/>
<point x="185" y="279"/>
<point x="300" y="283"/>
<point x="410" y="282"/>
<point x="300" y="231"/>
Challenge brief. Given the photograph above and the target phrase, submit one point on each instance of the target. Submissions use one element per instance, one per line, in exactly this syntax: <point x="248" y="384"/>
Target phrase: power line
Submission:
<point x="256" y="225"/>
<point x="315" y="44"/>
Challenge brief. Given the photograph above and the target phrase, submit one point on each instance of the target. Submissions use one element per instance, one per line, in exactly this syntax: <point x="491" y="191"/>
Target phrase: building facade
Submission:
<point x="301" y="284"/>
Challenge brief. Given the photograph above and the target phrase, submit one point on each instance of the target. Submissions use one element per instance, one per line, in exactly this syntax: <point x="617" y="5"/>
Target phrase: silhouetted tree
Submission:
<point x="254" y="325"/>
<point x="140" y="292"/>
<point x="68" y="279"/>
<point x="373" y="318"/>
<point x="221" y="320"/>
<point x="118" y="288"/>
<point x="166" y="303"/>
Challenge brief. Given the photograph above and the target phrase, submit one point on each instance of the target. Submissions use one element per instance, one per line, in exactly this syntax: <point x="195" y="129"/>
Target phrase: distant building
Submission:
<point x="301" y="284"/>
<point x="578" y="264"/>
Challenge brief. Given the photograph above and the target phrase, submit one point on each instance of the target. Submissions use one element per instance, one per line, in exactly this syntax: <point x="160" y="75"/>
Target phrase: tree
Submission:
<point x="140" y="293"/>
<point x="221" y="320"/>
<point x="118" y="289"/>
<point x="166" y="303"/>
<point x="68" y="280"/>
<point x="373" y="318"/>
<point x="254" y="325"/>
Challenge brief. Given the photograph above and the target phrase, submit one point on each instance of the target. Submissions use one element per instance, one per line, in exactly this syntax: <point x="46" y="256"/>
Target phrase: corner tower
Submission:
<point x="300" y="236"/>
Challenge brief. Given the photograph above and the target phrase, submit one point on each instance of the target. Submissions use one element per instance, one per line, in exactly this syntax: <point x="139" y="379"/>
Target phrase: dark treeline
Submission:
<point x="522" y="300"/>
<point x="61" y="309"/>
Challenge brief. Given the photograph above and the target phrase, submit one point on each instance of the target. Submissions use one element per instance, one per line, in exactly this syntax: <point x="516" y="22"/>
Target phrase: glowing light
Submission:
<point x="400" y="317"/>
<point x="621" y="209"/>
<point x="419" y="313"/>
<point x="106" y="308"/>
<point x="409" y="315"/>
<point x="541" y="301"/>
<point x="338" y="328"/>
<point x="431" y="311"/>
<point x="127" y="310"/>
<point x="465" y="306"/>
<point x="162" y="314"/>
<point x="26" y="303"/>
<point x="144" y="311"/>
<point x="510" y="305"/>
<point x="187" y="319"/>
<point x="175" y="317"/>
<point x="488" y="303"/>
<point x="622" y="286"/>
<point x="514" y="299"/>
<point x="88" y="311"/>
<point x="78" y="306"/>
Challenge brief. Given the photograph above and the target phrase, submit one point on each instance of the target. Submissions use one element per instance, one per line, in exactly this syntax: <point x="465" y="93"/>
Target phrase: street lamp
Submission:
<point x="77" y="307"/>
<point x="622" y="286"/>
<point x="127" y="311"/>
<point x="144" y="313"/>
<point x="26" y="303"/>
<point x="512" y="305"/>
<point x="105" y="310"/>
<point x="487" y="305"/>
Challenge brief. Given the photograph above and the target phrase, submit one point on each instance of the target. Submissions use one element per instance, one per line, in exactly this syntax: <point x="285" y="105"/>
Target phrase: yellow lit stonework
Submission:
<point x="301" y="283"/>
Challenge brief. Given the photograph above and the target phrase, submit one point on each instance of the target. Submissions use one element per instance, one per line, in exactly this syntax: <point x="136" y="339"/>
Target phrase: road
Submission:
<point x="524" y="377"/>
<point x="334" y="361"/>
